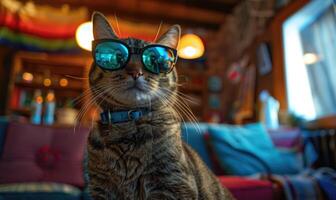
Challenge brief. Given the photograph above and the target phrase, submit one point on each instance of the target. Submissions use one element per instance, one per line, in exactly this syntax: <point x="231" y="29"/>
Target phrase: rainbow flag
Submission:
<point x="39" y="28"/>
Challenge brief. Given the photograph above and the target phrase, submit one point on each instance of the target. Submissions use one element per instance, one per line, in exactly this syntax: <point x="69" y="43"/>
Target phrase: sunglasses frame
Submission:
<point x="95" y="43"/>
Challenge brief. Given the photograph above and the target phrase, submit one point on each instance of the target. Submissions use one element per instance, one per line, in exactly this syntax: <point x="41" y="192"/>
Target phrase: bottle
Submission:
<point x="50" y="104"/>
<point x="270" y="110"/>
<point x="37" y="107"/>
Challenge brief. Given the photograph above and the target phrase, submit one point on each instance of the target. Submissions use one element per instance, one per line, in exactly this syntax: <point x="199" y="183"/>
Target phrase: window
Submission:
<point x="310" y="60"/>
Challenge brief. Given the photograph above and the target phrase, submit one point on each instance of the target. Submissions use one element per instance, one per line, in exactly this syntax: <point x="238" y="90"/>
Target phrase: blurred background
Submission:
<point x="262" y="69"/>
<point x="230" y="51"/>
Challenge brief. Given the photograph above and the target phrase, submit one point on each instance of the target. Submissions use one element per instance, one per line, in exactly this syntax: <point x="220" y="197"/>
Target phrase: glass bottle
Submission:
<point x="37" y="107"/>
<point x="50" y="105"/>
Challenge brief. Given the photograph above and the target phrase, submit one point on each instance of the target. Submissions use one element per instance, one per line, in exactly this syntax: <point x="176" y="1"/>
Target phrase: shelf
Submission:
<point x="52" y="87"/>
<point x="24" y="111"/>
<point x="54" y="67"/>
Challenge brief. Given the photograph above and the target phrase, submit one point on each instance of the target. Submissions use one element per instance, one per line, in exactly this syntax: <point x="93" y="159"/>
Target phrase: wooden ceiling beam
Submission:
<point x="212" y="5"/>
<point x="150" y="10"/>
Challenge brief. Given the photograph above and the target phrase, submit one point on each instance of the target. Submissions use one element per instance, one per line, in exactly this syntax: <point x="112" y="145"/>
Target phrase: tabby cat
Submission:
<point x="135" y="150"/>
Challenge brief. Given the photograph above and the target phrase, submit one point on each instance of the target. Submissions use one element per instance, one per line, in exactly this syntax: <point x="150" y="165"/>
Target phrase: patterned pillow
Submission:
<point x="43" y="153"/>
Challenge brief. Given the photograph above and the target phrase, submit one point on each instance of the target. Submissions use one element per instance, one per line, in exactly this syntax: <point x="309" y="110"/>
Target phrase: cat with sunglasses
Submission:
<point x="135" y="150"/>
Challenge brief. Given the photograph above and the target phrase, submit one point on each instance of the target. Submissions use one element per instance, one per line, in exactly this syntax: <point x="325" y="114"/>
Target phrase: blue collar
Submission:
<point x="113" y="117"/>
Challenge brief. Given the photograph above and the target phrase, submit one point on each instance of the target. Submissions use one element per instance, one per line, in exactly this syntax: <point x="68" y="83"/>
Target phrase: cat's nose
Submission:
<point x="135" y="74"/>
<point x="134" y="69"/>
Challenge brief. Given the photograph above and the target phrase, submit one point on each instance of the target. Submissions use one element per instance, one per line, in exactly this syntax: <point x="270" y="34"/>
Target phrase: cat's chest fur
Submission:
<point x="147" y="161"/>
<point x="128" y="154"/>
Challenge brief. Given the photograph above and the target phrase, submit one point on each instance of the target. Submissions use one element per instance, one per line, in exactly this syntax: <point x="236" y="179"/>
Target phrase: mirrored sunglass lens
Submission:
<point x="158" y="59"/>
<point x="111" y="55"/>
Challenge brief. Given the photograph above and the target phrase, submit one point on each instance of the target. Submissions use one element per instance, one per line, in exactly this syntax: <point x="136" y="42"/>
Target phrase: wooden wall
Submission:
<point x="273" y="82"/>
<point x="5" y="67"/>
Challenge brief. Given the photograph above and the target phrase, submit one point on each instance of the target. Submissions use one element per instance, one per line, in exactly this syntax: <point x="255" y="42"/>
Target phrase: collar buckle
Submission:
<point x="135" y="114"/>
<point x="131" y="114"/>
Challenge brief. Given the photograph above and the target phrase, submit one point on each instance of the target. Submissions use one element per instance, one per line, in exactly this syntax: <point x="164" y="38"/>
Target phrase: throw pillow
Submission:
<point x="246" y="150"/>
<point x="43" y="153"/>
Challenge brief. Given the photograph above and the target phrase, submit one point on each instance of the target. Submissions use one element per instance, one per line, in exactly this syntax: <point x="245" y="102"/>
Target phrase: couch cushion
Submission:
<point x="40" y="191"/>
<point x="247" y="189"/>
<point x="246" y="150"/>
<point x="43" y="153"/>
<point x="193" y="134"/>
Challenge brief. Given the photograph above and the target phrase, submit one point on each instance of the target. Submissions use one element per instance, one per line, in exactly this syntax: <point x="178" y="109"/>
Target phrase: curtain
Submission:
<point x="319" y="38"/>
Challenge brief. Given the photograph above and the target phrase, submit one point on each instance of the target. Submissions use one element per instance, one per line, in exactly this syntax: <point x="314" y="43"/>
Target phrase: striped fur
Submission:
<point x="145" y="159"/>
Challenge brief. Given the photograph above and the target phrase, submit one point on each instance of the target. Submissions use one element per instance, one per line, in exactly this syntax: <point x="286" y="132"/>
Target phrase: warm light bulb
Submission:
<point x="189" y="51"/>
<point x="47" y="82"/>
<point x="310" y="58"/>
<point x="26" y="76"/>
<point x="63" y="82"/>
<point x="190" y="47"/>
<point x="84" y="35"/>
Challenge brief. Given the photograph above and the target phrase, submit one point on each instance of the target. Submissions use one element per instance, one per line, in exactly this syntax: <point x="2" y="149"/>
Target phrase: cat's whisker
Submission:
<point x="81" y="112"/>
<point x="116" y="19"/>
<point x="94" y="99"/>
<point x="76" y="77"/>
<point x="158" y="32"/>
<point x="86" y="93"/>
<point x="185" y="109"/>
<point x="97" y="94"/>
<point x="183" y="96"/>
<point x="166" y="101"/>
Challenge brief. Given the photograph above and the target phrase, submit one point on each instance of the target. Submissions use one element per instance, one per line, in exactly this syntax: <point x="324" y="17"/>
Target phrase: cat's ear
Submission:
<point x="171" y="37"/>
<point x="101" y="27"/>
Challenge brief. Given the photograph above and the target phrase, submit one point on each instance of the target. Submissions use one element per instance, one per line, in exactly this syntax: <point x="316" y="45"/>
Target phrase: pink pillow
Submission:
<point x="43" y="153"/>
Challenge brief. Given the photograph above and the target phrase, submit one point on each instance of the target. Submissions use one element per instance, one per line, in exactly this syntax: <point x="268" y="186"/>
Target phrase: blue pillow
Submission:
<point x="193" y="134"/>
<point x="246" y="150"/>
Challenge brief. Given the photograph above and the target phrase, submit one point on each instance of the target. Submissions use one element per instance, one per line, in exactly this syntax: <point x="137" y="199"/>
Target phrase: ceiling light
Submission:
<point x="28" y="77"/>
<point x="191" y="46"/>
<point x="84" y="36"/>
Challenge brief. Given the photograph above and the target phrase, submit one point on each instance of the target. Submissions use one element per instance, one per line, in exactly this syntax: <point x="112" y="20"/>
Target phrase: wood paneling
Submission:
<point x="328" y="122"/>
<point x="5" y="68"/>
<point x="211" y="15"/>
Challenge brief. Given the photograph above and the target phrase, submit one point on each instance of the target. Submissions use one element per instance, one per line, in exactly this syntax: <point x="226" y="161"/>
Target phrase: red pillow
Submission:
<point x="43" y="153"/>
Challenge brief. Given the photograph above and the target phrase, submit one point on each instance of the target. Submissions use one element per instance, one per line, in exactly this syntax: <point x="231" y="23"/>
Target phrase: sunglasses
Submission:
<point x="110" y="54"/>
